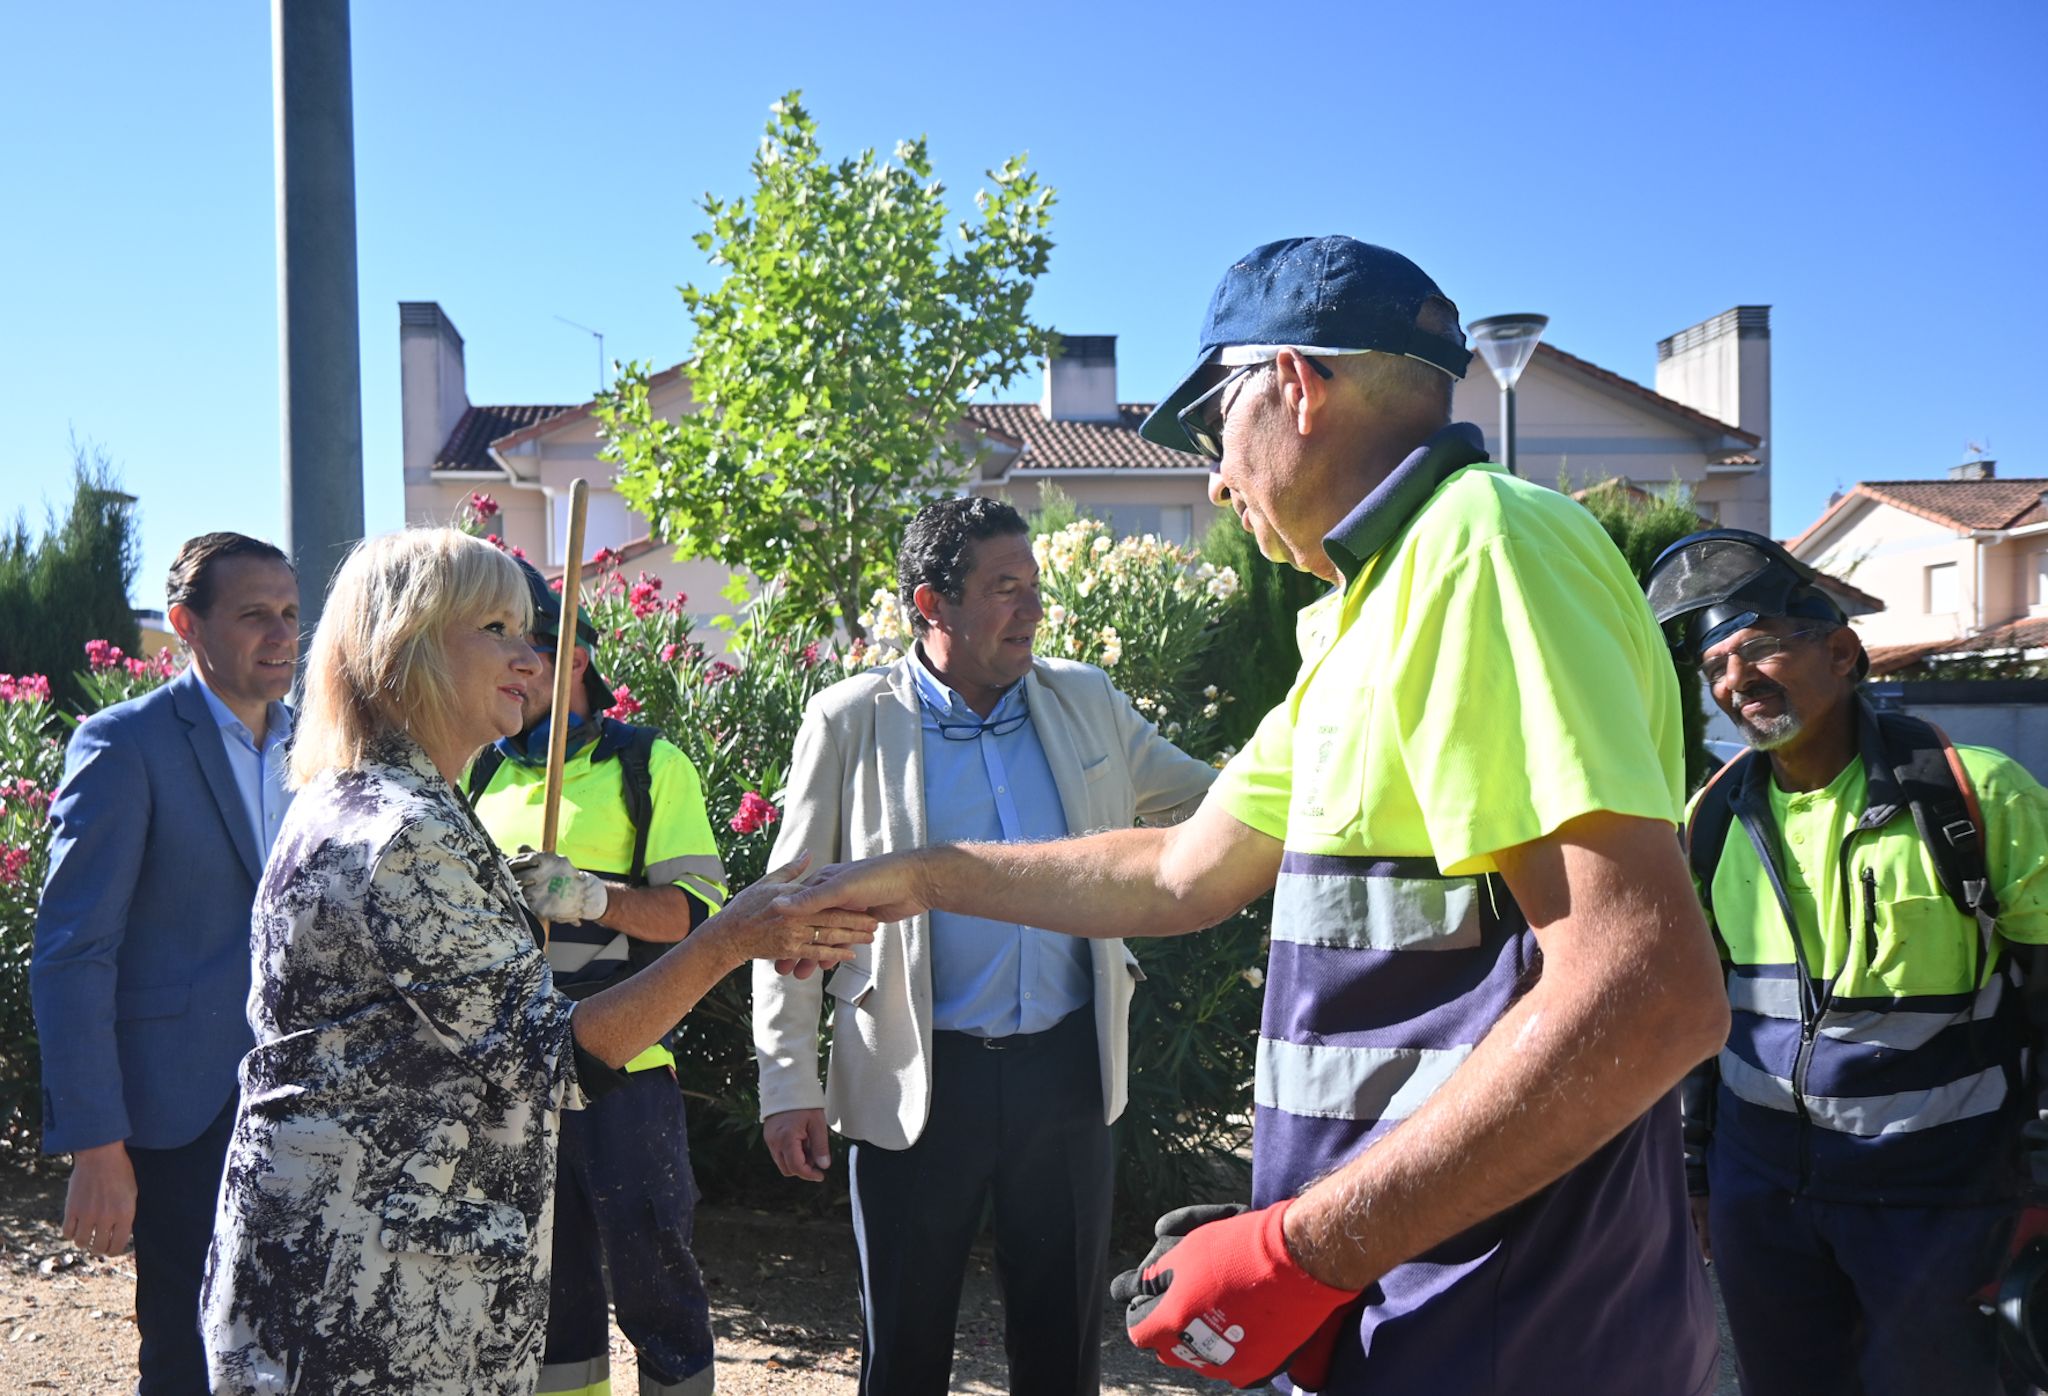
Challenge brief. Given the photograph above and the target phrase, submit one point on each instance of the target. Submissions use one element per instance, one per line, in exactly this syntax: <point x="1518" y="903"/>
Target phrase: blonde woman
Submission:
<point x="385" y="1215"/>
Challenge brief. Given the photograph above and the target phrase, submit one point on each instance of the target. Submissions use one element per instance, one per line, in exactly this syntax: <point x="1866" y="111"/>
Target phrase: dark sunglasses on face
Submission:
<point x="1202" y="419"/>
<point x="1753" y="652"/>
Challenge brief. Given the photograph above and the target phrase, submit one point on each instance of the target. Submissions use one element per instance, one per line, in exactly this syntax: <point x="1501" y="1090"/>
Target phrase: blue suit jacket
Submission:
<point x="141" y="968"/>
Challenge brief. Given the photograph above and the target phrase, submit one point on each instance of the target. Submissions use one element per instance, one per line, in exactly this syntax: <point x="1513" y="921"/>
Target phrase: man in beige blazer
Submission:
<point x="974" y="1061"/>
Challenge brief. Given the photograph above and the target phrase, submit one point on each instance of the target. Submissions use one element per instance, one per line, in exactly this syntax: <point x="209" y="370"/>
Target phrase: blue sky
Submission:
<point x="1875" y="172"/>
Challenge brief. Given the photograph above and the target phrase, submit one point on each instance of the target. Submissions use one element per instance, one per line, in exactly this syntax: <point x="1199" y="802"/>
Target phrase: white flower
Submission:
<point x="1253" y="976"/>
<point x="1101" y="545"/>
<point x="1210" y="692"/>
<point x="1210" y="710"/>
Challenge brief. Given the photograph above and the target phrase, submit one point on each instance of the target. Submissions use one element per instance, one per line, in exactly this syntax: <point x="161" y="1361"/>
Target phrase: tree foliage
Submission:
<point x="831" y="366"/>
<point x="71" y="584"/>
<point x="1643" y="525"/>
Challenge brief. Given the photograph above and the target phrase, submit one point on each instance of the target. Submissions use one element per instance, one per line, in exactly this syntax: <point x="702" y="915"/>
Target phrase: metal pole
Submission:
<point x="319" y="351"/>
<point x="1507" y="429"/>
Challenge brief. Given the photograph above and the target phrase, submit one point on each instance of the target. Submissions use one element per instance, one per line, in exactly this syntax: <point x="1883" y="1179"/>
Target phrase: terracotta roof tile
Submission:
<point x="1965" y="503"/>
<point x="2028" y="634"/>
<point x="1080" y="445"/>
<point x="468" y="446"/>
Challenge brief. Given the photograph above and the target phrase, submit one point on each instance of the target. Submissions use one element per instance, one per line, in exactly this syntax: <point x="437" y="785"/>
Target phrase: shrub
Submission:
<point x="31" y="765"/>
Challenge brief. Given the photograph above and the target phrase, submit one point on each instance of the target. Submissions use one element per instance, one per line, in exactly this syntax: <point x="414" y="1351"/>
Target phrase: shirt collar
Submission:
<point x="1360" y="535"/>
<point x="943" y="700"/>
<point x="277" y="720"/>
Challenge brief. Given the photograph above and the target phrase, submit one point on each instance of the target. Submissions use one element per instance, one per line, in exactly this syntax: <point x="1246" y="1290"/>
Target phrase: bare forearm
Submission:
<point x="617" y="1025"/>
<point x="661" y="915"/>
<point x="1118" y="883"/>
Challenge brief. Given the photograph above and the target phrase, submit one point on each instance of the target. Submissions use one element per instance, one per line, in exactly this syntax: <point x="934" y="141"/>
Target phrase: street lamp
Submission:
<point x="1507" y="343"/>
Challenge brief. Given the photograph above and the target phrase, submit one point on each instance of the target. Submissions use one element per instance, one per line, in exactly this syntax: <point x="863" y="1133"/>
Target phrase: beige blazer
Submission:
<point x="856" y="789"/>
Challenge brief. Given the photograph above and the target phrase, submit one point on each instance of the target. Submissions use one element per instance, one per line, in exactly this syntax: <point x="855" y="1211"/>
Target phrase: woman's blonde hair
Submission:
<point x="379" y="662"/>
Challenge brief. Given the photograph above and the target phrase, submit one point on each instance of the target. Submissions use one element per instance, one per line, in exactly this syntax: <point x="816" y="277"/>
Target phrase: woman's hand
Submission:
<point x="754" y="925"/>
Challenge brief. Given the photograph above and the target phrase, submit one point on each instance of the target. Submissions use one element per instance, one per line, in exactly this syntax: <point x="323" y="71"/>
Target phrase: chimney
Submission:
<point x="432" y="392"/>
<point x="1978" y="469"/>
<point x="1080" y="380"/>
<point x="1722" y="367"/>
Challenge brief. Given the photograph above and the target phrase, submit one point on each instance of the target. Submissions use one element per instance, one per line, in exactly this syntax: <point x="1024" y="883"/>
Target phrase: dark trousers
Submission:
<point x="1019" y="1128"/>
<point x="1846" y="1299"/>
<point x="176" y="1191"/>
<point x="626" y="1199"/>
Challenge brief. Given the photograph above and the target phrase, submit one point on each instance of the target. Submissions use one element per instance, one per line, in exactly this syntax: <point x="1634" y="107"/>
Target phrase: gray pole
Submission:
<point x="319" y="353"/>
<point x="1507" y="429"/>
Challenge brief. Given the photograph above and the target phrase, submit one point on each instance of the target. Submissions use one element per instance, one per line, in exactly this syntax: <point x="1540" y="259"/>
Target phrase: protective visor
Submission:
<point x="1707" y="586"/>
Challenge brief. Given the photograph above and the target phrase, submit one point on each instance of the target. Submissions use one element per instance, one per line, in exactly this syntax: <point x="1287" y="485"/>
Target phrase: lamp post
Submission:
<point x="1507" y="342"/>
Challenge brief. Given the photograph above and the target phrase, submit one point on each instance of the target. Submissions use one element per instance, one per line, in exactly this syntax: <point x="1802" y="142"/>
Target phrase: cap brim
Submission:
<point x="1163" y="428"/>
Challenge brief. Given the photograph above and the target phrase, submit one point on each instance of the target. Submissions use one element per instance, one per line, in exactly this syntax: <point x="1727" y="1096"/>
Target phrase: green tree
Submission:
<point x="1643" y="525"/>
<point x="832" y="365"/>
<point x="1260" y="638"/>
<point x="71" y="584"/>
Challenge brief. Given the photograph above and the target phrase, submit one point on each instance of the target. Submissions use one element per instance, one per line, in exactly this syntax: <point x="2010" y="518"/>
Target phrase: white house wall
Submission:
<point x="1886" y="551"/>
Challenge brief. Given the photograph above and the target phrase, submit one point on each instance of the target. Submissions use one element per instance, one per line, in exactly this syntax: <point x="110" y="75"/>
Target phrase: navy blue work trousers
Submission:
<point x="626" y="1200"/>
<point x="1015" y="1130"/>
<point x="1855" y="1299"/>
<point x="176" y="1191"/>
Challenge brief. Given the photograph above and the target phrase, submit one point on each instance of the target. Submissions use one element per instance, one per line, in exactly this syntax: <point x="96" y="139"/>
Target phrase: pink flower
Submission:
<point x="644" y="599"/>
<point x="484" y="507"/>
<point x="26" y="688"/>
<point x="554" y="584"/>
<point x="669" y="653"/>
<point x="102" y="654"/>
<point x="753" y="815"/>
<point x="141" y="669"/>
<point x="720" y="671"/>
<point x="606" y="558"/>
<point x="676" y="603"/>
<point x="625" y="704"/>
<point x="13" y="863"/>
<point x="808" y="659"/>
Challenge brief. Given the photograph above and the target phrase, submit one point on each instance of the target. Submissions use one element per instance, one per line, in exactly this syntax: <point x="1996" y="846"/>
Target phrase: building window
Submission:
<point x="1170" y="523"/>
<point x="2041" y="578"/>
<point x="1942" y="596"/>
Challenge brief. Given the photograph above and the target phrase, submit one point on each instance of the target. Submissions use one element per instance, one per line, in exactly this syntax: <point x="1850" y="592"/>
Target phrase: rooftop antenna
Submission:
<point x="1977" y="449"/>
<point x="597" y="335"/>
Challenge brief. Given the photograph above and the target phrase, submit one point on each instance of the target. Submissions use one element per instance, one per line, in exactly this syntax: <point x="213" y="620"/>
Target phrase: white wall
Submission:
<point x="1886" y="551"/>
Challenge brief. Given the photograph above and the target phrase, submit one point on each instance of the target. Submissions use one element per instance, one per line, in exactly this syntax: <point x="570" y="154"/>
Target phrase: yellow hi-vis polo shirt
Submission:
<point x="1492" y="674"/>
<point x="596" y="834"/>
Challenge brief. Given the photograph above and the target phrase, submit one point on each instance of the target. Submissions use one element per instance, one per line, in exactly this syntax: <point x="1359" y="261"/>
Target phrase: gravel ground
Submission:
<point x="782" y="1296"/>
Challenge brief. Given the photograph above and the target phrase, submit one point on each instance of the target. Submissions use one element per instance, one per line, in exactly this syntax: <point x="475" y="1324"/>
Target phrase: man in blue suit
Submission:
<point x="141" y="968"/>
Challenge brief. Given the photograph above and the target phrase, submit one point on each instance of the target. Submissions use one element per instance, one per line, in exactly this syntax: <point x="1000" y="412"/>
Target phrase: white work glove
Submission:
<point x="557" y="889"/>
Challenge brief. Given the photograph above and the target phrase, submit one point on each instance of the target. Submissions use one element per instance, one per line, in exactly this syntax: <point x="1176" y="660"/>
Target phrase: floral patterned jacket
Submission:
<point x="385" y="1218"/>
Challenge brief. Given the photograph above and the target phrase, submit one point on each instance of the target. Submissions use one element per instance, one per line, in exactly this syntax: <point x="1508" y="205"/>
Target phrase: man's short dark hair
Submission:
<point x="937" y="547"/>
<point x="193" y="571"/>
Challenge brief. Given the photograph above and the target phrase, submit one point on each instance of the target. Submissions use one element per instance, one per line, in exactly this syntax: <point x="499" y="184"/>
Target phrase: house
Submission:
<point x="1706" y="425"/>
<point x="1961" y="564"/>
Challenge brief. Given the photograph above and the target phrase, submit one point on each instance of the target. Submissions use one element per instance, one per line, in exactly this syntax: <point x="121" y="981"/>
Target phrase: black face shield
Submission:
<point x="1708" y="585"/>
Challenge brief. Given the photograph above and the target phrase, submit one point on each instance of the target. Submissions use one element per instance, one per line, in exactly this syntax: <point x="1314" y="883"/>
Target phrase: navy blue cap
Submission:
<point x="547" y="623"/>
<point x="1320" y="293"/>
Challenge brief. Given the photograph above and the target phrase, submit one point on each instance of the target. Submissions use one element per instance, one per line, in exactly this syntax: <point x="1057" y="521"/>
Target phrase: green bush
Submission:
<point x="32" y="732"/>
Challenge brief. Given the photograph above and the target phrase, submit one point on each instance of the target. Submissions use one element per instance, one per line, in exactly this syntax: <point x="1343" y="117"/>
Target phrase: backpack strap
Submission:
<point x="481" y="771"/>
<point x="634" y="747"/>
<point x="1712" y="813"/>
<point x="1947" y="815"/>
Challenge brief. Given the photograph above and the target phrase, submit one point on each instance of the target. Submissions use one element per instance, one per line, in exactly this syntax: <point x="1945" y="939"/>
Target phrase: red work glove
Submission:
<point x="1220" y="1295"/>
<point x="2031" y="1227"/>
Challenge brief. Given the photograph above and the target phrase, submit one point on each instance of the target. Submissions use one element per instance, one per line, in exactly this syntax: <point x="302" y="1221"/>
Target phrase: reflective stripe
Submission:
<point x="701" y="875"/>
<point x="571" y="957"/>
<point x="1351" y="1083"/>
<point x="592" y="1378"/>
<point x="1870" y="1116"/>
<point x="1901" y="1029"/>
<point x="701" y="1383"/>
<point x="1376" y="913"/>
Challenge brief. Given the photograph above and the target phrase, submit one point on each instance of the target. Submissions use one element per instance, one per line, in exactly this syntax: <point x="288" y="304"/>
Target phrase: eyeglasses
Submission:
<point x="1203" y="418"/>
<point x="969" y="731"/>
<point x="1753" y="652"/>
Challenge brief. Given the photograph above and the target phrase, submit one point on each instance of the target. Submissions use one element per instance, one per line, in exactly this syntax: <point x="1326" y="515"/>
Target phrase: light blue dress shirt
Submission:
<point x="993" y="978"/>
<point x="259" y="771"/>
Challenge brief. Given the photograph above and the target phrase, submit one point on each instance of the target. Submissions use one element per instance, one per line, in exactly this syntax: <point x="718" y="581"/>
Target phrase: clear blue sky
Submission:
<point x="1873" y="171"/>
